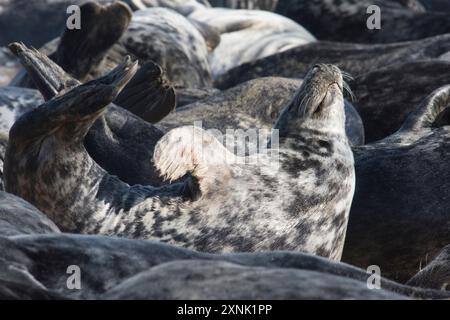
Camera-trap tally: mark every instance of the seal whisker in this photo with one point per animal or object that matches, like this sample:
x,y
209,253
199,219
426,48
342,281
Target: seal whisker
x,y
348,90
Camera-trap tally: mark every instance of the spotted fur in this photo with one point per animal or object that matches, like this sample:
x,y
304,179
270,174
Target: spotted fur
x,y
301,204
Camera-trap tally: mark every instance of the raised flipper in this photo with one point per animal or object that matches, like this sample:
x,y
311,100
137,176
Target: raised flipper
x,y
73,112
148,95
101,27
80,51
193,150
49,78
209,33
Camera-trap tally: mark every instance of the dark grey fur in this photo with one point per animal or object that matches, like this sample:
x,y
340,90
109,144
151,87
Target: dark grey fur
x,y
301,206
436,275
345,20
399,218
245,4
385,97
108,264
356,59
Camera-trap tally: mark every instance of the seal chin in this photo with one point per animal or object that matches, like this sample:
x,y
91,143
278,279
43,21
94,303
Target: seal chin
x,y
321,88
320,98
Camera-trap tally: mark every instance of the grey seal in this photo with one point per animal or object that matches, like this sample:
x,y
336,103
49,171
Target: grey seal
x,y
399,218
436,5
356,59
3,144
268,5
265,33
169,39
306,209
18,217
109,263
249,106
119,141
39,21
385,97
81,52
9,66
349,20
436,274
179,45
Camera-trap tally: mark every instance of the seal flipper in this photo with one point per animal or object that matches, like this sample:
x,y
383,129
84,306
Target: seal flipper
x,y
49,78
193,150
81,50
76,110
149,94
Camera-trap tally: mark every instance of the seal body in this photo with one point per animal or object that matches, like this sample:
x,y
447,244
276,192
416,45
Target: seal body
x,y
301,206
265,33
121,268
349,20
384,108
19,19
356,59
268,5
119,141
401,190
169,39
8,66
248,107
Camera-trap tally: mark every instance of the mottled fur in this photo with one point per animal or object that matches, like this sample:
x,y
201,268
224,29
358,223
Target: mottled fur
x,y
248,106
302,205
247,35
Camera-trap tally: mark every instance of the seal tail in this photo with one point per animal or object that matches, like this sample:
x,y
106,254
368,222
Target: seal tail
x,y
149,94
434,111
192,150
